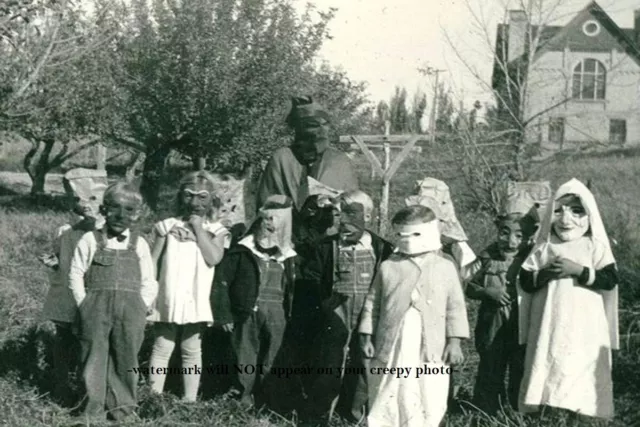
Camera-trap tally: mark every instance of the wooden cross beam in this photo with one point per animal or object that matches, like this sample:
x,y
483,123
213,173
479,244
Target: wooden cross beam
x,y
405,143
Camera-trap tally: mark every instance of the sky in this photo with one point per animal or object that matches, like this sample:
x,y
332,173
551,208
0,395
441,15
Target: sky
x,y
383,42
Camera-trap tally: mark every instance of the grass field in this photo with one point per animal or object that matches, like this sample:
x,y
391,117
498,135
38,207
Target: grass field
x,y
25,369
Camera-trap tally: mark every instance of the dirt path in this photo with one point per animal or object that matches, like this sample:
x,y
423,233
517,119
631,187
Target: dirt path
x,y
20,183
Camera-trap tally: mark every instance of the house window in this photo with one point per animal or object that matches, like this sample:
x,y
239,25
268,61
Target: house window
x,y
556,130
617,131
589,78
591,28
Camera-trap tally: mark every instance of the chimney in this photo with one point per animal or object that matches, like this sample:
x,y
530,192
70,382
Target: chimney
x,y
636,27
517,34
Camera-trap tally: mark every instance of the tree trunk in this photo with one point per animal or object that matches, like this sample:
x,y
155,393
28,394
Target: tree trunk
x,y
38,170
152,172
199,163
37,182
134,163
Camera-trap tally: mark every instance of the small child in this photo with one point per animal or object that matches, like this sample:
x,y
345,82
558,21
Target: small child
x,y
435,195
85,189
496,334
113,283
339,274
186,248
414,316
569,318
253,294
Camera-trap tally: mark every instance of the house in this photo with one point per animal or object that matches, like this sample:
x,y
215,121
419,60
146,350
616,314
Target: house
x,y
578,86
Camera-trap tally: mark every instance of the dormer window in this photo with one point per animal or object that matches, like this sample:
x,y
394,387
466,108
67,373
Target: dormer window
x,y
591,28
589,79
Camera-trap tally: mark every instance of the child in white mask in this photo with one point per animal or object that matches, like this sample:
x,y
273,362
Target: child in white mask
x,y
414,316
569,318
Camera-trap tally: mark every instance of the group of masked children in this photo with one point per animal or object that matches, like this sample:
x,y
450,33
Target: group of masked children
x,y
331,294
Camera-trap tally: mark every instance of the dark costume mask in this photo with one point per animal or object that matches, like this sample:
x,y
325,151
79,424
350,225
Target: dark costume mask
x,y
310,122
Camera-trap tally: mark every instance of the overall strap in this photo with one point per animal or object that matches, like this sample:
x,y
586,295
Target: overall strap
x,y
101,238
133,241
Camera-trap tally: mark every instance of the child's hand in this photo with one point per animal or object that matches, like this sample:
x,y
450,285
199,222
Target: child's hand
x,y
453,352
195,222
50,260
227,327
368,350
501,296
562,267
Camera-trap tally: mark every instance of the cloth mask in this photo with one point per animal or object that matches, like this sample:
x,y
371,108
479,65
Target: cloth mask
x,y
280,237
86,187
419,238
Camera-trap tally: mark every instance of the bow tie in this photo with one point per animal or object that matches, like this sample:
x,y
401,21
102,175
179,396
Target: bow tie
x,y
119,237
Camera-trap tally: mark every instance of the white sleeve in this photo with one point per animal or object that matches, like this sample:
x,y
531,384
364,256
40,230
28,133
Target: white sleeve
x,y
82,257
149,288
216,228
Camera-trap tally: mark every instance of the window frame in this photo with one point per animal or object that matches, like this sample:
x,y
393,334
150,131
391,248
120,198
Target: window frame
x,y
621,131
583,78
589,33
561,124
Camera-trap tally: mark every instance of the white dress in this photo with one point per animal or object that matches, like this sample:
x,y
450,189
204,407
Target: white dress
x,y
184,277
411,401
568,356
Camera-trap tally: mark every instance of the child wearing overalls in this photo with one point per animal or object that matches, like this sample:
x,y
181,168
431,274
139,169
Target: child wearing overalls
x,y
252,296
340,273
112,279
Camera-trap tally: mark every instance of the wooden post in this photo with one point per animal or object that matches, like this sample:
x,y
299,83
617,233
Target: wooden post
x,y
388,170
101,157
201,163
384,200
434,107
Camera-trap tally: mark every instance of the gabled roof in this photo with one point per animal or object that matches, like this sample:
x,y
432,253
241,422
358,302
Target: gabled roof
x,y
556,37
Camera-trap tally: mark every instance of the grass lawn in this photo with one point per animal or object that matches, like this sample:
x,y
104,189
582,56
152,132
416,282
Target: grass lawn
x,y
25,369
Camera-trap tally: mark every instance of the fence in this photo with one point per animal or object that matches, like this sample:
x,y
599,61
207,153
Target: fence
x,y
475,167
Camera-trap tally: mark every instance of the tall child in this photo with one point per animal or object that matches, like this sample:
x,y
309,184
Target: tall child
x,y
85,189
570,315
495,285
253,294
113,283
414,316
339,273
186,249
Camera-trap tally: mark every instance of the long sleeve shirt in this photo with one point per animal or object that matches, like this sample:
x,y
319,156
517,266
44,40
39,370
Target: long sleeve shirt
x,y
83,256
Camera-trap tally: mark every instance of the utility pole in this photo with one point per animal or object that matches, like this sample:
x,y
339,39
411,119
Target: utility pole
x,y
429,71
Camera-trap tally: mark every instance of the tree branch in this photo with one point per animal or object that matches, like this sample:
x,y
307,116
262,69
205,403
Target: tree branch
x,y
41,62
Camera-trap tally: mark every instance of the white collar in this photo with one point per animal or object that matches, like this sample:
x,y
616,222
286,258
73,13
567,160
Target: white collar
x,y
250,242
365,242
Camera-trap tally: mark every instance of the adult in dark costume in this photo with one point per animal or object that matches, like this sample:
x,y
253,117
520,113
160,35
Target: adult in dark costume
x,y
309,156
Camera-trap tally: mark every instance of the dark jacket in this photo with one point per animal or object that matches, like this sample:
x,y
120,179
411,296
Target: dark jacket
x,y
237,282
495,272
318,270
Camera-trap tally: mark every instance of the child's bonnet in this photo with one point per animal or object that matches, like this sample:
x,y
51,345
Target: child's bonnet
x,y
548,247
